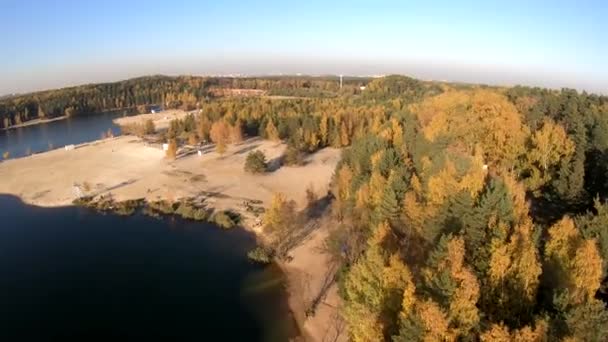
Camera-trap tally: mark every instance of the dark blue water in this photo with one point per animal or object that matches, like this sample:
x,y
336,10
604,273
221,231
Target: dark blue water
x,y
71,274
19,142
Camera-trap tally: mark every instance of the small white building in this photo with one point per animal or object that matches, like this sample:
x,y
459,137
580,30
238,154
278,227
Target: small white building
x,y
165,147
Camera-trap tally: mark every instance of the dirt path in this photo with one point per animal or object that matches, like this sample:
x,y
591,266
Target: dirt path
x,y
311,284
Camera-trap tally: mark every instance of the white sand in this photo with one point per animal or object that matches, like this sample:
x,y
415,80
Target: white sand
x,y
161,120
127,168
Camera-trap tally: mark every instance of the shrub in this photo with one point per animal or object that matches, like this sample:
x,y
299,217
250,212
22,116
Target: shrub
x,y
164,207
190,211
261,255
149,127
225,219
256,162
138,129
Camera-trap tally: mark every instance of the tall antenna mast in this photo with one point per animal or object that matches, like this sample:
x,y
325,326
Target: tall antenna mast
x,y
340,81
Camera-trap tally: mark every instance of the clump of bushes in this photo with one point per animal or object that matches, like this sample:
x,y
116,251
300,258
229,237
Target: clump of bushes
x,y
83,201
256,162
162,207
261,254
190,211
139,129
128,207
106,203
225,219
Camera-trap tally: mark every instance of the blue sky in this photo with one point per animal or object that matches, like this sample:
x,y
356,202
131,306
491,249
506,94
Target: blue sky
x,y
52,43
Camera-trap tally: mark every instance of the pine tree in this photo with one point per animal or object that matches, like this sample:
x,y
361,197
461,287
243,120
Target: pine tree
x,y
451,284
593,226
388,208
374,290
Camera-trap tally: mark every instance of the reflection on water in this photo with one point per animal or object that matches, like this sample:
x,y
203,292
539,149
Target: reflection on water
x,y
22,141
72,274
258,289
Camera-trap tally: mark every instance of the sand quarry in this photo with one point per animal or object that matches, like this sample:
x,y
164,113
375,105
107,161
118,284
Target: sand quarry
x,y
128,168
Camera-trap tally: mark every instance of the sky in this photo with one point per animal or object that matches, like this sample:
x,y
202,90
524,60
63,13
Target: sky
x,y
54,43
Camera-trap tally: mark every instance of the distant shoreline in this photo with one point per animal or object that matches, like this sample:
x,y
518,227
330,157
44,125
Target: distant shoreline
x,y
35,122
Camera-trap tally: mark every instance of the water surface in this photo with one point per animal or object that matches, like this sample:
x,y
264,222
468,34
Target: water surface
x,y
73,274
21,141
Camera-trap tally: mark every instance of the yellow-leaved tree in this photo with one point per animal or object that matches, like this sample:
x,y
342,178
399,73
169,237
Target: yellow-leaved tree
x,y
549,145
469,118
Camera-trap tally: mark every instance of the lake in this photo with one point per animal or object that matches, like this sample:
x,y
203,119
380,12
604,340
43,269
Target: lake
x,y
74,274
21,141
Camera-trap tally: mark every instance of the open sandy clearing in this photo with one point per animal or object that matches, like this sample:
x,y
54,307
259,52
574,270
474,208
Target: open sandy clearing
x,y
161,120
128,168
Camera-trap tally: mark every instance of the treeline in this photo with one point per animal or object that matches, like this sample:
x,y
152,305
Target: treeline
x,y
469,216
171,92
88,99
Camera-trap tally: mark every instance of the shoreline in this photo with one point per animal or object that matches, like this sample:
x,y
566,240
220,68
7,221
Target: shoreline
x,y
35,122
128,168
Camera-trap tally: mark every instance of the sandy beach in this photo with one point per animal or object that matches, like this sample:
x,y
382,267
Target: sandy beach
x,y
161,120
128,168
35,122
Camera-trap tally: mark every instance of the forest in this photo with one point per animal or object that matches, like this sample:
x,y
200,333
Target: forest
x,y
461,212
186,92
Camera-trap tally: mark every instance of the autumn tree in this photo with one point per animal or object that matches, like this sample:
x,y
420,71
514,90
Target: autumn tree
x,y
220,135
236,133
203,128
324,130
171,152
575,262
280,219
342,190
574,272
548,146
271,131
478,117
